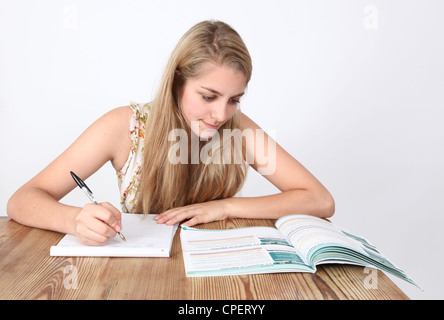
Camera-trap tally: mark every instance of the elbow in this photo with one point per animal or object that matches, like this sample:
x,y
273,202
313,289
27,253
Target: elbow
x,y
319,203
14,207
329,208
11,207
324,205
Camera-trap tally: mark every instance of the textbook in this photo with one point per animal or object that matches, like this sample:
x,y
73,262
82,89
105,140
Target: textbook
x,y
298,244
144,238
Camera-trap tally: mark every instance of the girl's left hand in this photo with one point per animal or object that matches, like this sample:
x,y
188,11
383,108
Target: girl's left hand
x,y
197,213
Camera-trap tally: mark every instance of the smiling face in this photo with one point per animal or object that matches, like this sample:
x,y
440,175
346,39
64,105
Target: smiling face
x,y
211,99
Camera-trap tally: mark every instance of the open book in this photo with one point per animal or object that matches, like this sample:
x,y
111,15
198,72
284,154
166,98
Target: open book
x,y
299,243
144,238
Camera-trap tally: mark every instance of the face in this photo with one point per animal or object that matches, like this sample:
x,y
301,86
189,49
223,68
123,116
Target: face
x,y
210,100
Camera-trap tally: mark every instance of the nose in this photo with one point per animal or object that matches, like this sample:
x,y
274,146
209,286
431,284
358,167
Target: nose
x,y
220,112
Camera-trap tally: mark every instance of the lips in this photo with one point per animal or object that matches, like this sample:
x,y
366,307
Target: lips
x,y
210,126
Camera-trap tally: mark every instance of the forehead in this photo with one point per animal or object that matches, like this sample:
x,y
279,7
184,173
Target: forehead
x,y
222,78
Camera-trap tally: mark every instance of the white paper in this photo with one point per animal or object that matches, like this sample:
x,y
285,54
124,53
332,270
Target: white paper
x,y
217,251
217,260
144,238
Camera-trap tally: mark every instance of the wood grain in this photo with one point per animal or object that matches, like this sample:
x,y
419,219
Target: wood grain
x,y
27,271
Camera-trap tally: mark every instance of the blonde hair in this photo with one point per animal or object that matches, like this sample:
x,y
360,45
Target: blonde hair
x,y
165,185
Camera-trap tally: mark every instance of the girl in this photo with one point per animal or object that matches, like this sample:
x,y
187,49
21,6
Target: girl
x,y
205,78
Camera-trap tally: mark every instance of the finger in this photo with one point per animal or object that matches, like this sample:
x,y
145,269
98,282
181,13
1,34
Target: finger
x,y
105,214
168,212
100,227
167,215
88,237
117,214
192,222
97,219
183,215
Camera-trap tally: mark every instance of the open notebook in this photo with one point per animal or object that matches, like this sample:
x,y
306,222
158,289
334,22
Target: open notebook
x,y
144,238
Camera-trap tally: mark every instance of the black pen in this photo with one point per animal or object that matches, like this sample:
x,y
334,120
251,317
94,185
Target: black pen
x,y
88,193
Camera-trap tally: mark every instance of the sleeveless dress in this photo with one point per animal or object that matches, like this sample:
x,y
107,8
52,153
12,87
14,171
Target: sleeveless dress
x,y
129,176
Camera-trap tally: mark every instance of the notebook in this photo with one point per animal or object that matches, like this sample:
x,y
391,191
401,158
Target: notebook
x,y
144,238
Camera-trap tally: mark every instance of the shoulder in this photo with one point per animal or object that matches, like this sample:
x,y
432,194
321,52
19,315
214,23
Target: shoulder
x,y
247,123
118,116
114,124
113,131
110,125
119,127
123,116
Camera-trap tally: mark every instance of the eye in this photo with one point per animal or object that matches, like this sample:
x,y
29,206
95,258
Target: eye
x,y
235,101
207,98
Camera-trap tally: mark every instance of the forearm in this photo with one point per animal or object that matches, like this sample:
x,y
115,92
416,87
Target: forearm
x,y
281,204
319,203
36,208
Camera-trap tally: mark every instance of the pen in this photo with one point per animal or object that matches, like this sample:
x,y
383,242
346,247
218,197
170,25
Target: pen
x,y
88,193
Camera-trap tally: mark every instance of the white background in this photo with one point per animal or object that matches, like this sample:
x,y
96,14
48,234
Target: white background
x,y
354,90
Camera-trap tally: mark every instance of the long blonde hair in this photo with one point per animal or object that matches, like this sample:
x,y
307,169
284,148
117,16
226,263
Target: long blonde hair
x,y
165,185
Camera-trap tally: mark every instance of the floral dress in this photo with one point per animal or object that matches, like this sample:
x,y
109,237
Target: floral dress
x,y
129,176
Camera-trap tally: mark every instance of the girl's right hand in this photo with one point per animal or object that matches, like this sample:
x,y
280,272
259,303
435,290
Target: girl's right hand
x,y
95,224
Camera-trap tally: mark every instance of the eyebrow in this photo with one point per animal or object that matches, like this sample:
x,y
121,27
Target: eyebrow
x,y
220,94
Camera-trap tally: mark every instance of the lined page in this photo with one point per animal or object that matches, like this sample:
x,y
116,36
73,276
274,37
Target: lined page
x,y
144,238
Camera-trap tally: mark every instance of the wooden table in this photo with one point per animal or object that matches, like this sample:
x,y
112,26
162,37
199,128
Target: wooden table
x,y
27,271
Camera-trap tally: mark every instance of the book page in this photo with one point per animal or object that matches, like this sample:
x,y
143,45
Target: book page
x,y
200,239
237,251
320,241
217,260
144,238
307,232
